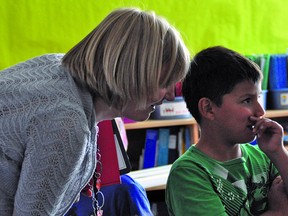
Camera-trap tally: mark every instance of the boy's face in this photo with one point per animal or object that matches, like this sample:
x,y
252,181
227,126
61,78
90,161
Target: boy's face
x,y
233,116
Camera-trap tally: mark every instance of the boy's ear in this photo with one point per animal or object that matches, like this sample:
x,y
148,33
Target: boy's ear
x,y
205,106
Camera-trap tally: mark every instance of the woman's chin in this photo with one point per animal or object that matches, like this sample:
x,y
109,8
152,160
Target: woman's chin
x,y
140,116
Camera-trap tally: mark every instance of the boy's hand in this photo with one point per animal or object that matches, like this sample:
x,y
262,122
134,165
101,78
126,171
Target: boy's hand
x,y
270,140
277,198
269,135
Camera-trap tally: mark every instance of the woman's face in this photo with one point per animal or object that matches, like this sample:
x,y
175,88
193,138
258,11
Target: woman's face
x,y
132,112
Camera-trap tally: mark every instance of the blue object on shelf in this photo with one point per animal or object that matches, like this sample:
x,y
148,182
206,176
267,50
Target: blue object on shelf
x,y
278,72
278,98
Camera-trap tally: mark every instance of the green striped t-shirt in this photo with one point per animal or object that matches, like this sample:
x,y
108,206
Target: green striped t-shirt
x,y
200,185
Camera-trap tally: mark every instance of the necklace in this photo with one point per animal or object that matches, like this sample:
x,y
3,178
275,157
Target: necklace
x,y
97,195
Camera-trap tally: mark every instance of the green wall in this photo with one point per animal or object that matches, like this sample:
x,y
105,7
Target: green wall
x,y
35,27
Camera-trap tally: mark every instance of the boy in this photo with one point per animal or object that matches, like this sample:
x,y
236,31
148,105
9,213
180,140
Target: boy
x,y
223,174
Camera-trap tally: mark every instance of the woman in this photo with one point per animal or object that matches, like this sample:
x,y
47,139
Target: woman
x,y
50,106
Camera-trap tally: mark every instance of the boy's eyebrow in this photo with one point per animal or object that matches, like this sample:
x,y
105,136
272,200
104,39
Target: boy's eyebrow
x,y
249,95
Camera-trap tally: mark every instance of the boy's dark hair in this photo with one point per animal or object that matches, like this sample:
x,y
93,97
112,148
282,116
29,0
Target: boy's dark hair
x,y
213,73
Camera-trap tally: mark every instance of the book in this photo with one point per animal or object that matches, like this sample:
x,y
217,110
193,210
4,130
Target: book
x,y
107,149
163,142
150,148
180,141
173,153
187,137
120,138
141,159
136,139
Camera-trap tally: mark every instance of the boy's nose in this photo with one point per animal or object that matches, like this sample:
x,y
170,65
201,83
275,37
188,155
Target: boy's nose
x,y
260,110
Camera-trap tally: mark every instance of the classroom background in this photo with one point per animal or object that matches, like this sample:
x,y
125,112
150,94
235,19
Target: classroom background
x,y
254,28
34,27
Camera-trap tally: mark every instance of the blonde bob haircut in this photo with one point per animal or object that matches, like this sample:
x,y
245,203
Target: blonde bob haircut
x,y
127,57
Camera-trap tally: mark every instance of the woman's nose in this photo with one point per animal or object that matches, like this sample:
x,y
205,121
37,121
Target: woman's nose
x,y
170,94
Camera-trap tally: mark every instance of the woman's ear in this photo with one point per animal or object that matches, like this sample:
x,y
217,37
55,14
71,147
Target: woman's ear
x,y
205,106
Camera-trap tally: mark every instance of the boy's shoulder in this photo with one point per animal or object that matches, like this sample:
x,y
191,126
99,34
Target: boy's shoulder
x,y
195,158
190,158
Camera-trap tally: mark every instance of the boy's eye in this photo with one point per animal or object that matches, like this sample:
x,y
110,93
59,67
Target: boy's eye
x,y
247,100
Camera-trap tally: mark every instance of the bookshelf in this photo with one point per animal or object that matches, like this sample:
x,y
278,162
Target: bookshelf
x,y
156,178
166,123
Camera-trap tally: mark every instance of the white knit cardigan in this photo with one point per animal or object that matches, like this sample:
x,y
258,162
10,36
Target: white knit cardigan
x,y
47,138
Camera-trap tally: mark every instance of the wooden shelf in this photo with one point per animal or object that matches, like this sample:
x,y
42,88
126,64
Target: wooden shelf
x,y
152,178
159,123
190,121
276,113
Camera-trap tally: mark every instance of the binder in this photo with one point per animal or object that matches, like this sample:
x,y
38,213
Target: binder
x,y
114,159
150,148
